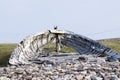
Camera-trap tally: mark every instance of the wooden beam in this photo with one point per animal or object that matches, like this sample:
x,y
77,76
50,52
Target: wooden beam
x,y
57,43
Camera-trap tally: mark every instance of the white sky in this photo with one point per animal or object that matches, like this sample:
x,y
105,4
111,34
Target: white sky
x,y
96,19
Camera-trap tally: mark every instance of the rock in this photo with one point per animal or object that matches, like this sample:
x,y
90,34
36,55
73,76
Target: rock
x,y
34,78
2,71
118,75
35,68
4,78
12,67
19,70
61,70
83,72
92,73
113,77
82,58
48,73
54,77
85,68
28,77
48,62
48,67
29,70
79,77
99,78
75,65
14,77
96,78
88,71
107,69
87,77
36,74
7,70
20,76
38,78
66,77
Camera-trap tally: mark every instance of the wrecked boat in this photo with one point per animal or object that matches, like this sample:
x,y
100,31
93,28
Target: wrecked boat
x,y
31,47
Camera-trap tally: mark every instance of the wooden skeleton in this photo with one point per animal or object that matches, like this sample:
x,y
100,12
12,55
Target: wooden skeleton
x,y
31,47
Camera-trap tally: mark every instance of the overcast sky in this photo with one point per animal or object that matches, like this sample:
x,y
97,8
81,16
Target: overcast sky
x,y
96,19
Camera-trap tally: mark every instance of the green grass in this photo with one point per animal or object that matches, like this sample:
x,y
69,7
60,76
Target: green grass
x,y
112,43
5,50
51,47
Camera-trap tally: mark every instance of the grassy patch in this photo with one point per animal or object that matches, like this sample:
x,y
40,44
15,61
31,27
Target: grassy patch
x,y
112,43
5,50
51,47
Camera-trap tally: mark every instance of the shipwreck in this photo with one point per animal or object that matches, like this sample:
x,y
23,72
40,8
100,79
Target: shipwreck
x,y
30,48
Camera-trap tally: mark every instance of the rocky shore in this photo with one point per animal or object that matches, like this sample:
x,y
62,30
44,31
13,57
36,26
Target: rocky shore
x,y
72,67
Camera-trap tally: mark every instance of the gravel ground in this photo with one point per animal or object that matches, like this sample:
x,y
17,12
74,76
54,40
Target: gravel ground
x,y
64,67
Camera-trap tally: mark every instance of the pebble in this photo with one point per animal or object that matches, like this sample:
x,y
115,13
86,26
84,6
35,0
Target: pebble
x,y
19,70
78,69
79,77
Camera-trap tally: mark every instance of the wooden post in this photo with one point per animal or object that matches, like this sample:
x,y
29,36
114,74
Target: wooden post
x,y
48,38
57,43
57,34
42,39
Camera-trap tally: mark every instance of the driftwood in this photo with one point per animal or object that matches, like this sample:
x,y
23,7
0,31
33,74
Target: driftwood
x,y
32,46
84,45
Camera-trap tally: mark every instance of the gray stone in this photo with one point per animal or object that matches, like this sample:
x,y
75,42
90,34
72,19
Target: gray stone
x,y
96,78
87,77
61,70
29,70
38,78
48,73
92,73
12,67
2,71
28,77
34,78
83,72
4,78
19,70
118,75
48,67
113,77
79,77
